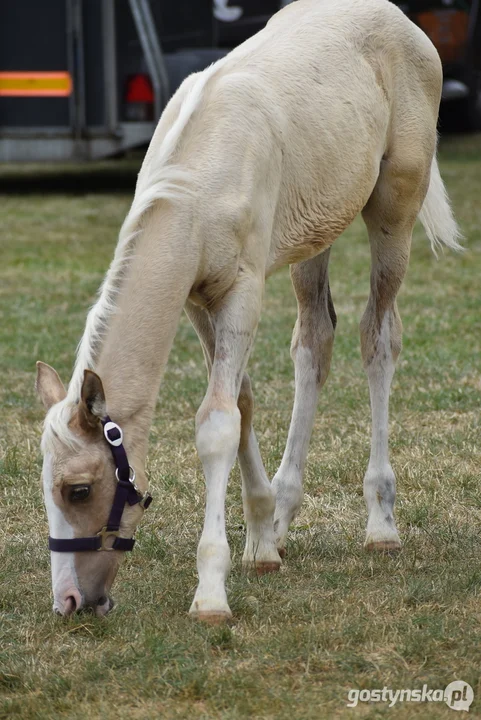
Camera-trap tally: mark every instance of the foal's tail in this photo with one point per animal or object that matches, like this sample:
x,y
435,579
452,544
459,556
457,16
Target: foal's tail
x,y
436,214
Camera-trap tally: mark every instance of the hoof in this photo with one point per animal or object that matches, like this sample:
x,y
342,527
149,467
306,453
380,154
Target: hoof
x,y
383,546
282,552
263,568
212,617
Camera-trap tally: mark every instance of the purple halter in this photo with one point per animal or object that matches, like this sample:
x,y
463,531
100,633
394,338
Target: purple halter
x,y
125,492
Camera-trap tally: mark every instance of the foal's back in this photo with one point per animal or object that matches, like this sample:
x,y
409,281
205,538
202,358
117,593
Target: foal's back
x,y
288,138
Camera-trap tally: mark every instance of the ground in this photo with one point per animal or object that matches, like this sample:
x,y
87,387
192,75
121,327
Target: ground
x,y
335,618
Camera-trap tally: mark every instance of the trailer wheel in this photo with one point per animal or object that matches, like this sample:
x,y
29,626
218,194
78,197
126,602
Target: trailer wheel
x,y
463,115
470,112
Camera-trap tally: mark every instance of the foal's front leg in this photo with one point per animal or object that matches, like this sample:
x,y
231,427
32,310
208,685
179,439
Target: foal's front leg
x,y
218,433
257,495
258,499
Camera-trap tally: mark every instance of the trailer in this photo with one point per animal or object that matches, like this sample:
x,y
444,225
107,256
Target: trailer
x,y
88,79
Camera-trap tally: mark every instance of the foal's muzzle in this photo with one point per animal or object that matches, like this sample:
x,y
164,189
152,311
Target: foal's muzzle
x,y
73,602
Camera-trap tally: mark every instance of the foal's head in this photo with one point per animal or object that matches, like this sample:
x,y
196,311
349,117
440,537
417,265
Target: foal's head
x,y
79,485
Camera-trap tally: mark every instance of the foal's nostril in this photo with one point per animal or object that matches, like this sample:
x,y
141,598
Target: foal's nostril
x,y
70,604
104,606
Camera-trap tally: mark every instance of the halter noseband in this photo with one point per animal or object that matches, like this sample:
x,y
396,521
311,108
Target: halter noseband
x,y
125,492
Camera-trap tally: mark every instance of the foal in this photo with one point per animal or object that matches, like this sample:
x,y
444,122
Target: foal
x,y
261,160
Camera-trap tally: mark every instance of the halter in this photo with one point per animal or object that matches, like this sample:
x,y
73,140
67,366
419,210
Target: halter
x,y
125,492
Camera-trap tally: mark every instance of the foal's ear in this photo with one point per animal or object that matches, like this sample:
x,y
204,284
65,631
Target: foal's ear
x,y
92,399
48,385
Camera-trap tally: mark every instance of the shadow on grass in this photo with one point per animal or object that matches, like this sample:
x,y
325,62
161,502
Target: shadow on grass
x,y
110,176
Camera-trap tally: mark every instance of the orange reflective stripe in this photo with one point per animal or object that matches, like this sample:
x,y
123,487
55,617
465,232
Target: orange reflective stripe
x,y
35,84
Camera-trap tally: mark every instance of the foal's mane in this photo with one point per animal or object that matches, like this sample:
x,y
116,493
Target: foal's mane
x,y
157,180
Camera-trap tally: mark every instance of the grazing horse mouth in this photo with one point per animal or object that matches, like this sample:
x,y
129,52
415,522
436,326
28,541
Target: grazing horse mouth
x,y
100,607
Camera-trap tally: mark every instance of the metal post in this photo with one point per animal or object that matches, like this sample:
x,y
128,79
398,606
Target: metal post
x,y
149,41
110,66
77,69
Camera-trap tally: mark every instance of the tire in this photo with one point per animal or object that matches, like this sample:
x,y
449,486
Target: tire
x,y
462,115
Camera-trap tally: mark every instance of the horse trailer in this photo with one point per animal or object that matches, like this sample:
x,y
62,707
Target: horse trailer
x,y
88,79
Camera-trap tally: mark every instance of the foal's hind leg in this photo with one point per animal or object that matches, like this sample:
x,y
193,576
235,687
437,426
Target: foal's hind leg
x,y
218,432
311,351
257,495
389,215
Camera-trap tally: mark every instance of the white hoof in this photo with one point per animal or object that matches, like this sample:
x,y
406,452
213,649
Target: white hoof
x,y
212,610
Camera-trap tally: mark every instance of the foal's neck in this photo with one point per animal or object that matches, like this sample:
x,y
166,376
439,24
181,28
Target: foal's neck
x,y
142,328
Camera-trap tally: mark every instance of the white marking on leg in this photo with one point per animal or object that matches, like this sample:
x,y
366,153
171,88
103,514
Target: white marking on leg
x,y
217,444
64,577
287,483
259,505
379,481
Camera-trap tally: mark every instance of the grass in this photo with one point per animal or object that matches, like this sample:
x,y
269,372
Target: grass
x,y
334,618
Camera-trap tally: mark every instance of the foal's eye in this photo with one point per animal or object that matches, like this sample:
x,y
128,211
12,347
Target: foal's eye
x,y
79,493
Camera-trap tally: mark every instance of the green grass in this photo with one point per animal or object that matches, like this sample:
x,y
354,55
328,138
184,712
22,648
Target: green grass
x,y
334,618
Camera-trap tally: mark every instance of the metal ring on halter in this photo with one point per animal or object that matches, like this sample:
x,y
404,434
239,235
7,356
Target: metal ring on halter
x,y
131,475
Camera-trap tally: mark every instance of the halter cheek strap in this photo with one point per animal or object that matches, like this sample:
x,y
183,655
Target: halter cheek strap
x,y
125,492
